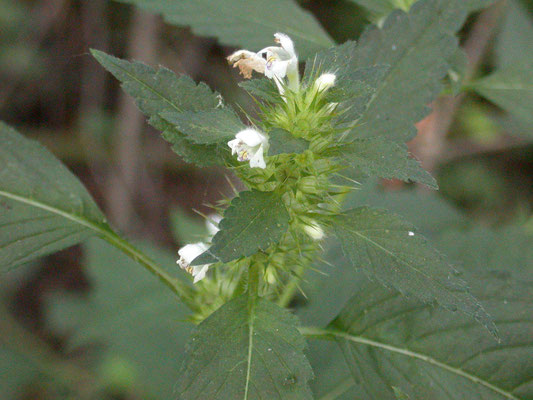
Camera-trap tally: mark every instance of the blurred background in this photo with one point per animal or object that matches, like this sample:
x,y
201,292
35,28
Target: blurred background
x,y
52,90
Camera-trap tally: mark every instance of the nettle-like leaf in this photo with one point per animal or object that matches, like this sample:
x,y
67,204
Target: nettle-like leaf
x,y
512,89
388,249
384,159
247,349
244,23
262,89
128,314
157,92
254,221
283,142
429,353
416,46
43,207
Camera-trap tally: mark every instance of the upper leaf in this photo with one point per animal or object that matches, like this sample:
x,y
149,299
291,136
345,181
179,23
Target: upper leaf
x,y
246,350
512,89
160,91
244,23
390,341
43,207
416,46
283,142
388,249
120,297
383,159
254,220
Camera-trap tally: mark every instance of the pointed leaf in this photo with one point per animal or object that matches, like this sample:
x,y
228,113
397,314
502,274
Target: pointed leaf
x,y
382,159
159,91
282,142
388,249
264,89
43,207
244,23
246,350
253,221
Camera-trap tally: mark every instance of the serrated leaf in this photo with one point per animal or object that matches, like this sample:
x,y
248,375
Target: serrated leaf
x,y
383,159
43,207
264,89
388,249
430,353
283,142
246,350
206,127
128,314
159,91
510,88
254,221
416,46
244,23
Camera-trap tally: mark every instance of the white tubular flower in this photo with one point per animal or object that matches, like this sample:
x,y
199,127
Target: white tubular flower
x,y
211,223
324,82
187,254
314,231
249,145
275,62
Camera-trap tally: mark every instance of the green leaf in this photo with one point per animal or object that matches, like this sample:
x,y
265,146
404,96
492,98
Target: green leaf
x,y
244,23
206,127
430,353
379,9
514,45
388,249
254,221
128,314
417,47
282,142
43,207
186,228
17,371
262,89
159,91
246,350
510,88
383,159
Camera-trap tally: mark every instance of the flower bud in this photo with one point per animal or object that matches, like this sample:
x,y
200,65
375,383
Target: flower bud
x,y
324,82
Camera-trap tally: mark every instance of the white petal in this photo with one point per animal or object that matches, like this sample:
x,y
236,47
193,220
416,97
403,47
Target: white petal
x,y
250,136
285,42
199,272
257,160
190,251
234,145
211,224
277,68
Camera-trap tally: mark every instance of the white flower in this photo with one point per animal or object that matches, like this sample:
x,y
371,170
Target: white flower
x,y
276,62
249,145
324,82
211,223
187,254
314,231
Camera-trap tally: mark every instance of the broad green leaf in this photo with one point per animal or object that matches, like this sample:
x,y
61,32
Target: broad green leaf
x,y
388,249
206,127
383,159
159,91
43,207
379,9
512,89
417,47
244,23
282,142
429,353
246,350
264,89
254,221
514,44
128,314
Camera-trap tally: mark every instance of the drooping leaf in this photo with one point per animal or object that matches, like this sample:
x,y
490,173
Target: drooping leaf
x,y
417,47
206,127
383,159
282,142
512,89
254,220
43,207
429,353
388,249
244,23
128,314
159,91
246,350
